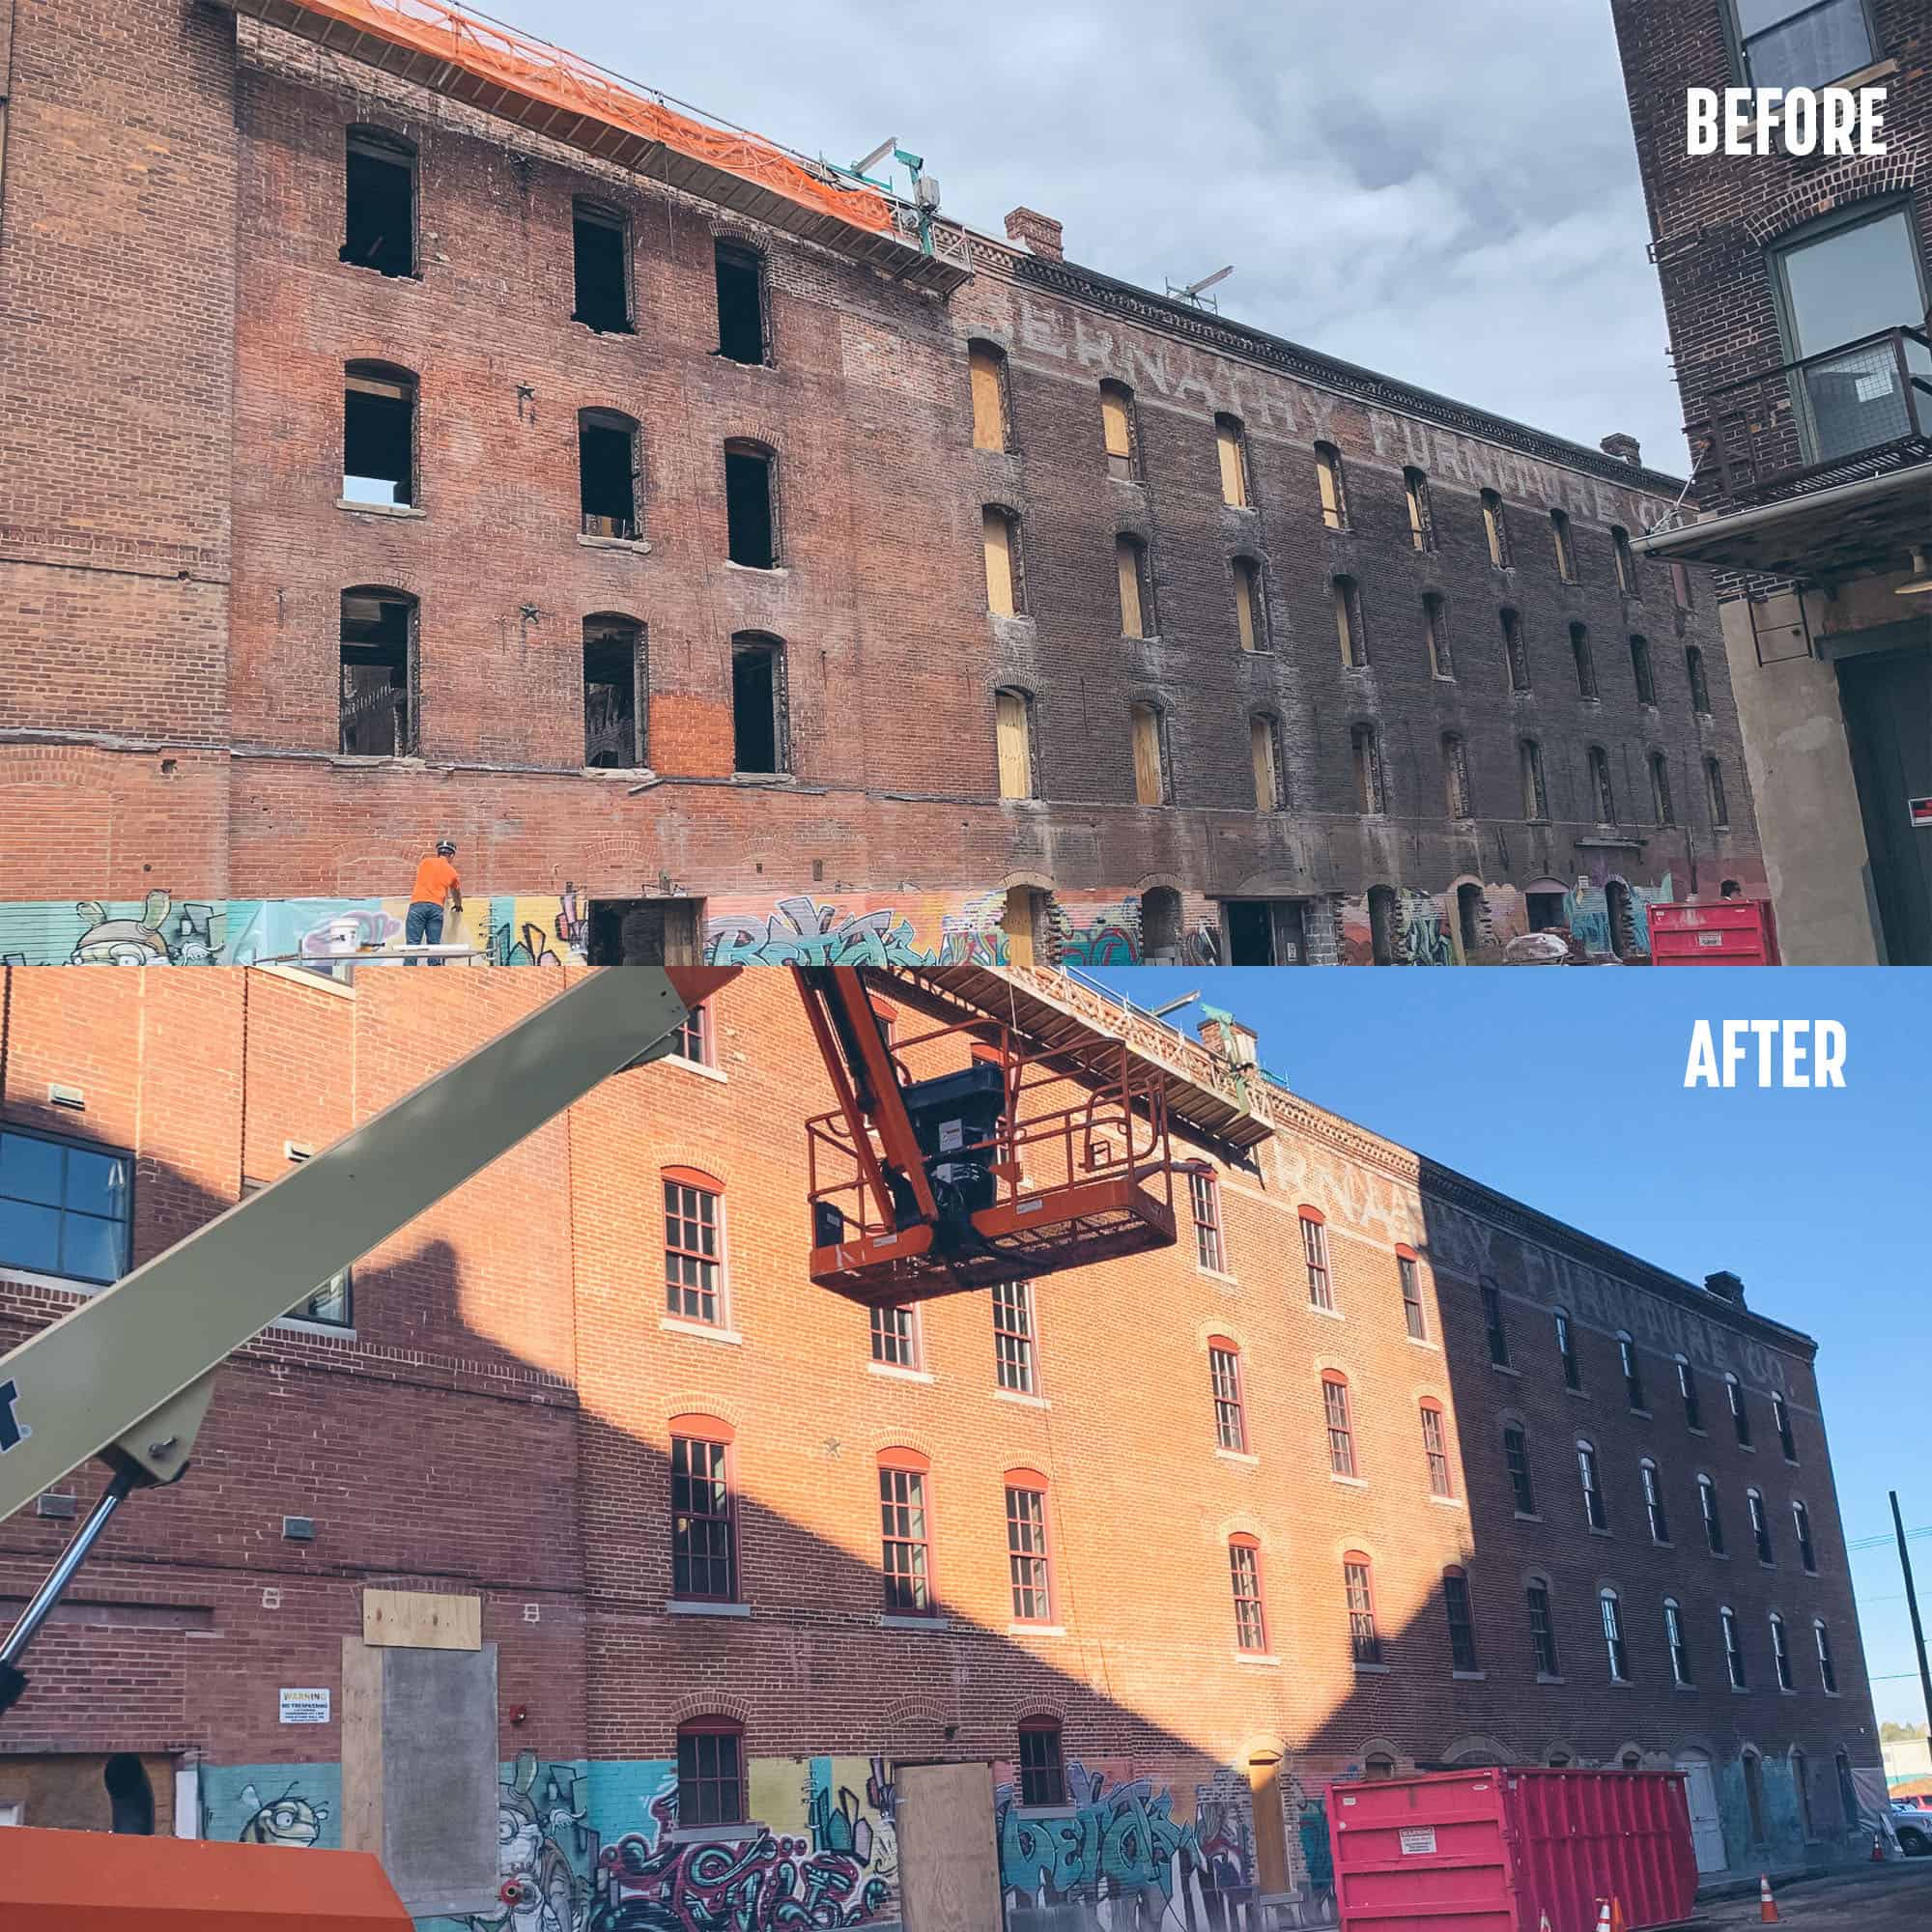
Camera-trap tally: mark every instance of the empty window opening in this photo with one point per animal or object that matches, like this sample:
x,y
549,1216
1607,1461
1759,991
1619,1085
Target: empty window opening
x,y
1603,794
1456,777
1495,527
1515,650
1700,689
1250,613
1470,919
1586,664
1042,1779
1382,925
607,453
1713,785
1659,790
1264,932
986,368
1329,481
1680,585
758,706
1625,558
741,303
131,1797
1559,536
600,243
1535,795
614,685
380,219
1646,684
1436,635
1421,518
1117,423
1130,566
1232,449
646,932
1149,736
1012,724
1160,926
1348,629
1370,795
379,435
1005,580
1463,1656
378,674
1266,754
750,514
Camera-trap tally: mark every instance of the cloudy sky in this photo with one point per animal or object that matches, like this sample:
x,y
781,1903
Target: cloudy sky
x,y
1447,193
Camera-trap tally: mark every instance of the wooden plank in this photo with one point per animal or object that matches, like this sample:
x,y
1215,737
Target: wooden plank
x,y
422,1620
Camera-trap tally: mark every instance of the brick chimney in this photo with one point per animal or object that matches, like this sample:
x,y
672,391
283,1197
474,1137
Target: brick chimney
x,y
1626,446
1727,1285
1039,234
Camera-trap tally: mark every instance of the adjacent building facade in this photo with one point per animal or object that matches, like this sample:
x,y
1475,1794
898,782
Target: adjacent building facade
x,y
735,560
1377,1469
1795,288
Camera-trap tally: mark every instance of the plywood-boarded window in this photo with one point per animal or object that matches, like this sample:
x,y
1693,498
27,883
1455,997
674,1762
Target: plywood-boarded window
x,y
1265,754
1149,764
1535,797
1328,479
1117,421
988,364
1559,537
1000,534
1130,561
1348,629
1270,1827
1421,519
1249,616
1495,527
1369,796
1436,635
1230,446
1455,776
1012,726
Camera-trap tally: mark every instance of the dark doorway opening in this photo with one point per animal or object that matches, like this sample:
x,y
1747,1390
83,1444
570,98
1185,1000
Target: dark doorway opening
x,y
1470,922
1264,932
131,1797
750,526
378,650
1382,925
758,708
614,684
1546,911
1618,916
1888,702
646,932
1160,926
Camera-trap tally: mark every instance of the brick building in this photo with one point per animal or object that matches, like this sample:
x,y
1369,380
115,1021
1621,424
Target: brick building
x,y
1795,288
1409,1475
727,558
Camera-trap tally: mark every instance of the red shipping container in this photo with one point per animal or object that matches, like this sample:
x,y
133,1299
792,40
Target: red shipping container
x,y
1491,1851
1725,932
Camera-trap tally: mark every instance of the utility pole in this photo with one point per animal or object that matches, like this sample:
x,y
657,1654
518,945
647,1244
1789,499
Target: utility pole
x,y
1911,1604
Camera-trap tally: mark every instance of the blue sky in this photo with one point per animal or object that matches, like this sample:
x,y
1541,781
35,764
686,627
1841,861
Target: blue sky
x,y
1566,1089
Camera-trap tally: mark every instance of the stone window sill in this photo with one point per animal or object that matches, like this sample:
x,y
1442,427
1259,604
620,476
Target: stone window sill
x,y
897,1373
696,1067
701,1330
1024,1401
1239,1455
402,512
637,546
888,1621
693,1607
1258,1659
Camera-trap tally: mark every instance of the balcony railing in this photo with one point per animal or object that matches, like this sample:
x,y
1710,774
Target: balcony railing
x,y
1851,413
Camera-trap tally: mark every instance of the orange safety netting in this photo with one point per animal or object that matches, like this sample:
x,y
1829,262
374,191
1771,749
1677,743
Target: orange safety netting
x,y
547,74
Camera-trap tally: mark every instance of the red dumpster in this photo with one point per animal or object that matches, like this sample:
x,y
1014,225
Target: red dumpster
x,y
1723,932
1491,1851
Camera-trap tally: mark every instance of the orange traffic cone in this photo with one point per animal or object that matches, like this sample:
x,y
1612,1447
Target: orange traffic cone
x,y
1543,1922
1766,1906
1618,1923
1602,1914
1878,1848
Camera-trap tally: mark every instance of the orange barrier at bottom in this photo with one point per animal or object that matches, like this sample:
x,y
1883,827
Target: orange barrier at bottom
x,y
97,1882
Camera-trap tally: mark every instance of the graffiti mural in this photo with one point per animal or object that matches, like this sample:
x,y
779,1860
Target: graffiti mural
x,y
290,1804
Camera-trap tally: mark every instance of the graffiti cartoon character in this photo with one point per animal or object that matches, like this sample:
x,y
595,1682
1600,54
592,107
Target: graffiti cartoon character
x,y
122,942
287,1820
537,1887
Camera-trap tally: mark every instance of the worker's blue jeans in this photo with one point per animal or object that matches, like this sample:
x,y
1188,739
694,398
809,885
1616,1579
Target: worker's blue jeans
x,y
424,927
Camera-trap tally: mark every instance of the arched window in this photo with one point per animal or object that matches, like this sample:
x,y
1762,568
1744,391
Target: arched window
x,y
1029,1555
1627,1358
610,471
1005,572
1515,1465
1231,448
1514,651
703,1511
1640,672
1330,486
1270,771
1734,1653
379,435
1595,1512
906,1532
1713,788
1409,1279
1780,1416
1462,1620
1455,776
1714,1523
1559,537
1675,1642
1585,662
1602,795
131,1797
1495,527
1349,630
1653,1501
600,245
1420,517
1120,431
1617,1652
380,202
1436,635
376,665
1012,726
743,331
1760,1525
1365,1641
1250,607
1625,560
760,707
752,504
1535,795
1042,1777
1801,1781
1370,795
710,1771
1700,688
1148,725
1566,1350
693,1245
1660,810
1828,1671
1542,1627
1224,1377
1136,583
1801,1524
1734,1395
1378,1766
1753,1769
1204,1198
1686,1388
987,368
1314,1256
1494,1331
1435,1449
1244,1572
1382,914
1780,1654
1339,1418
616,690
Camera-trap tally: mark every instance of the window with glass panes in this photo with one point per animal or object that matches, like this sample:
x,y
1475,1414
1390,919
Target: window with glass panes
x,y
333,1302
1435,1451
1673,1637
1780,1654
1632,1372
1496,1335
906,1550
693,1039
1792,44
704,1546
1760,1525
1411,1297
1565,1350
1714,1523
1012,1336
1541,1630
1462,1621
1687,1387
1613,1634
710,1774
1364,1640
1026,1554
691,1250
1593,1494
1341,1429
1224,1374
64,1208
1801,1523
1315,1253
1244,1572
1734,1656
1042,1779
1734,1394
895,1337
1652,1503
1780,1415
1205,1198
1516,1459
1828,1671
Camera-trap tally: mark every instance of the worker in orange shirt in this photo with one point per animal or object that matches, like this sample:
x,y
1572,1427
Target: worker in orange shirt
x,y
436,882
